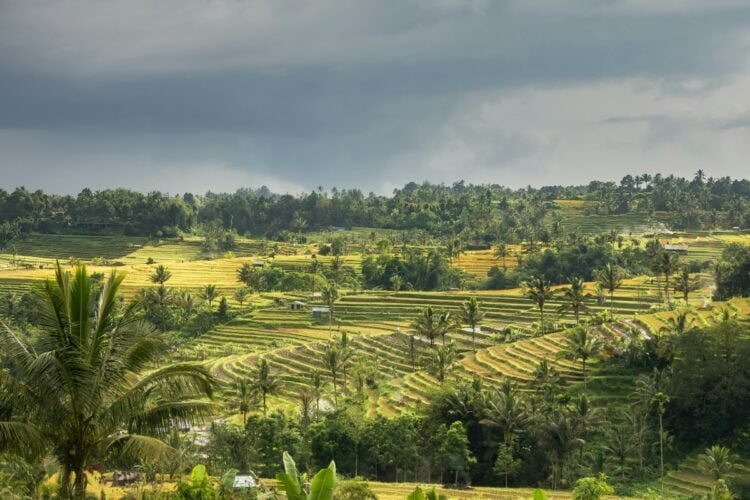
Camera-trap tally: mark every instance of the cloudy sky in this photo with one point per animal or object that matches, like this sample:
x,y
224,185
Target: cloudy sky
x,y
192,95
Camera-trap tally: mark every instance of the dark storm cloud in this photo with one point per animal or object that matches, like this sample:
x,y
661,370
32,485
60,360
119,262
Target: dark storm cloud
x,y
371,94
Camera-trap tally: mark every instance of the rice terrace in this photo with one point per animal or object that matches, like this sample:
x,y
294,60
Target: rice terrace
x,y
508,354
411,250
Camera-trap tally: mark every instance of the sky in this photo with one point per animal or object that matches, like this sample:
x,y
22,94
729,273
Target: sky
x,y
198,95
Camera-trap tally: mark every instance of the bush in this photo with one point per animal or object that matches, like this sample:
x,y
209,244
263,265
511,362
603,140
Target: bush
x,y
354,489
592,488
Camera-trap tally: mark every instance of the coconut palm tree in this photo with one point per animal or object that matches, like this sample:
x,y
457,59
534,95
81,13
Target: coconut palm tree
x,y
716,462
330,295
620,445
244,398
685,284
502,252
442,361
582,344
209,294
610,277
506,409
539,292
666,263
160,275
427,325
651,395
263,383
316,386
245,273
560,436
472,314
575,298
332,357
82,387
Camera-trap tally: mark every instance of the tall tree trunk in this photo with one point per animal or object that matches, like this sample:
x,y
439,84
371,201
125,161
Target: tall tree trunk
x,y
541,316
661,449
79,483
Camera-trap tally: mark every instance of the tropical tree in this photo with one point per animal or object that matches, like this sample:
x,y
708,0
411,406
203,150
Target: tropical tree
x,y
209,294
84,380
263,382
610,277
330,295
442,361
502,252
244,398
685,284
560,436
619,445
241,294
716,461
160,275
245,273
396,282
332,356
507,410
582,344
666,263
427,325
539,292
472,314
574,298
651,395
316,385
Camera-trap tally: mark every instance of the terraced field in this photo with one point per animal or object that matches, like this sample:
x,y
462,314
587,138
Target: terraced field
x,y
689,479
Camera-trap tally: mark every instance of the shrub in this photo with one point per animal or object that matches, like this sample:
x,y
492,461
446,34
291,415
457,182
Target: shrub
x,y
592,488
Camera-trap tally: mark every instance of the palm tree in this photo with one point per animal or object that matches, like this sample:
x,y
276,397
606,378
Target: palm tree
x,y
610,278
680,323
209,294
582,344
240,294
686,284
619,445
346,353
666,263
306,399
83,382
263,382
560,436
244,398
330,295
316,385
716,462
442,361
314,267
160,275
502,252
333,363
472,314
651,394
427,325
575,298
539,292
506,409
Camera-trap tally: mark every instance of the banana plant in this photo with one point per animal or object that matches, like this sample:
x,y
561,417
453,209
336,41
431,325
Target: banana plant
x,y
293,484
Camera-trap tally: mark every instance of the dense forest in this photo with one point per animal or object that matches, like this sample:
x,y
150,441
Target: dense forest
x,y
487,213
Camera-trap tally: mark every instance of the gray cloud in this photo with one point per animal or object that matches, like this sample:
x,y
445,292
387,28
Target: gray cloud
x,y
368,94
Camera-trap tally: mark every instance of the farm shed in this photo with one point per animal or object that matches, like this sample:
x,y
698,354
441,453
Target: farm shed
x,y
682,249
259,263
318,312
297,305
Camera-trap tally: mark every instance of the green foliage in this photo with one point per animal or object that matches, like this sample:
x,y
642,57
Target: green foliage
x,y
419,494
198,487
538,494
592,488
732,272
354,489
292,483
